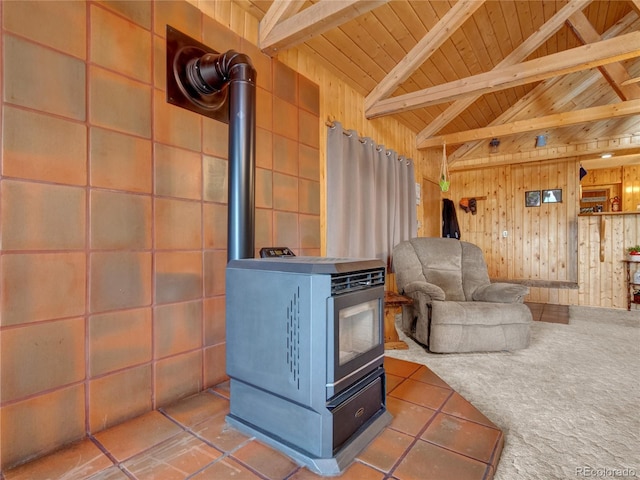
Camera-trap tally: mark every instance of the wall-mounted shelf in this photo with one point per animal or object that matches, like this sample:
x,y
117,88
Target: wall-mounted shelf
x,y
607,213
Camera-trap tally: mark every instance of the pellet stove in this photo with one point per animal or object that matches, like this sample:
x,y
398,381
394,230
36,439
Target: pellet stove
x,y
305,355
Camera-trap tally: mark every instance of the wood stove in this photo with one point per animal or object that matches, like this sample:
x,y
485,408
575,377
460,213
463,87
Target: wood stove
x,y
305,355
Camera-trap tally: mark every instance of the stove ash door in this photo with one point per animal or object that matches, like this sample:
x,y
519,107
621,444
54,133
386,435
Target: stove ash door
x,y
356,406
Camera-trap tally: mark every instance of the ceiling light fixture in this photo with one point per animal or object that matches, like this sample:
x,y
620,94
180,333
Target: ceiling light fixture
x,y
606,155
541,141
493,145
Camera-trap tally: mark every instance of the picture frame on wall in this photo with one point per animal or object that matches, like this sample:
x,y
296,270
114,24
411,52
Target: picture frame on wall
x,y
552,196
532,198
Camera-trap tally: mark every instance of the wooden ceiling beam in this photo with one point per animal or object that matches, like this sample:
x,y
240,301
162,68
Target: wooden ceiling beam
x,y
591,150
561,63
519,54
557,120
448,24
310,22
278,12
530,101
615,73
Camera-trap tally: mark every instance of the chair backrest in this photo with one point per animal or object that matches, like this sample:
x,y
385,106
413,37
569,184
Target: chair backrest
x,y
455,266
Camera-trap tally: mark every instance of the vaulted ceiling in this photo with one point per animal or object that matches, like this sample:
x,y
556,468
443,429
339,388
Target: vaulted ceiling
x,y
464,72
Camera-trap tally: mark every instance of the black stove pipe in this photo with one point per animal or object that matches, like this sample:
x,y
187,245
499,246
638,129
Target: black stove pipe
x,y
209,74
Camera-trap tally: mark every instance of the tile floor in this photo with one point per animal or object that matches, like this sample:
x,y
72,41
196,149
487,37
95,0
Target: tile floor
x,y
435,434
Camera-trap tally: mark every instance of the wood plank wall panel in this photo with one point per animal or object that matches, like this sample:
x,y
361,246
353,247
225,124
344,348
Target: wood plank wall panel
x,y
603,283
535,248
602,176
541,242
631,188
485,228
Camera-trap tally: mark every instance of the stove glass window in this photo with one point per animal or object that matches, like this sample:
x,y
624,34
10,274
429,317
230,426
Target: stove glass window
x,y
359,329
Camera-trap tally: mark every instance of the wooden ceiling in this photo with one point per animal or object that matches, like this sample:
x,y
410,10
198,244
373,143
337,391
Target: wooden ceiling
x,y
464,72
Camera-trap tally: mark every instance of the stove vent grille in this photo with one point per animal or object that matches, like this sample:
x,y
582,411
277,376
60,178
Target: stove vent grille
x,y
293,339
353,281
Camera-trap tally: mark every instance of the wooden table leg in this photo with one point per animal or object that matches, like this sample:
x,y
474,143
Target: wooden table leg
x,y
391,339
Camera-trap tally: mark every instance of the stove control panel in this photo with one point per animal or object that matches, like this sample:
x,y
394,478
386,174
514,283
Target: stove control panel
x,y
270,252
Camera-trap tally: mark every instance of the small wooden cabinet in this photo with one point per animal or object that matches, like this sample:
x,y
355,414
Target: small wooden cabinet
x,y
632,299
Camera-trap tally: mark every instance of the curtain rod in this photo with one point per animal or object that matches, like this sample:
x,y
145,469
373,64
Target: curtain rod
x,y
346,132
363,140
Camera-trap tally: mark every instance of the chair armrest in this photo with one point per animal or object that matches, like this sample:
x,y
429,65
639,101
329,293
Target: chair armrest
x,y
431,291
501,293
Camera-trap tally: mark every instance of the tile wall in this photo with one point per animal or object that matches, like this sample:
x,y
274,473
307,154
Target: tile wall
x,y
113,214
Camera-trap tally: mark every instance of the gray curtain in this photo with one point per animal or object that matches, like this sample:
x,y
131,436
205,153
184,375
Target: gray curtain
x,y
371,195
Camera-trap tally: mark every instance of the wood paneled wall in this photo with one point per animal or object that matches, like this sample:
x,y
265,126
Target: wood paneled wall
x,y
602,176
540,242
631,188
602,283
550,244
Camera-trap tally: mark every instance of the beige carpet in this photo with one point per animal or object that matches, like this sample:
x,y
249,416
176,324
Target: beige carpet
x,y
569,405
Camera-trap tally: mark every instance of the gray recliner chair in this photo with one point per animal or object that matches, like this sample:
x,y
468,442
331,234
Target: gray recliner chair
x,y
455,306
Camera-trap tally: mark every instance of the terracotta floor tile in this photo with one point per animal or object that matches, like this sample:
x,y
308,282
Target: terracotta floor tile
x,y
265,460
423,374
401,368
383,453
462,436
197,408
355,471
408,417
112,473
79,460
393,381
174,459
426,461
458,442
130,438
222,389
458,406
490,473
421,393
226,468
497,452
220,434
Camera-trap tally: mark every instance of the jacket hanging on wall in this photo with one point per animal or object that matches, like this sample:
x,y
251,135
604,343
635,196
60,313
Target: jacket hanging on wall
x,y
450,227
